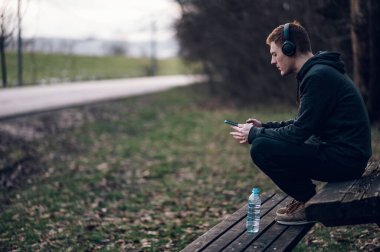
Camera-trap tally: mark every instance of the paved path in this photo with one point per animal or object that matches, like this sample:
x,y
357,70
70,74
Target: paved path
x,y
25,100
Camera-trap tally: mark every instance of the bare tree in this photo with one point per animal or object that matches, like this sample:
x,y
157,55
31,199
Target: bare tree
x,y
5,37
117,49
374,100
19,45
2,51
365,34
360,49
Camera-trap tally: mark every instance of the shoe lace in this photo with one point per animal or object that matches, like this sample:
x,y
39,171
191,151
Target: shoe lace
x,y
293,206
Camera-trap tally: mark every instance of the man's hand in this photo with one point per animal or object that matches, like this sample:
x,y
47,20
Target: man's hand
x,y
254,122
241,132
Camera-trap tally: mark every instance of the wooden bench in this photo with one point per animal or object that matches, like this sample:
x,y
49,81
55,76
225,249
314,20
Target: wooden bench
x,y
349,202
231,235
343,203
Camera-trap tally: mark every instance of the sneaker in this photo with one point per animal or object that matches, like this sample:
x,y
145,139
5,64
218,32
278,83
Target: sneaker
x,y
294,214
283,210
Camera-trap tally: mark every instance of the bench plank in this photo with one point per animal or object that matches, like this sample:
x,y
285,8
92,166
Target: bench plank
x,y
350,202
266,222
362,185
239,230
289,238
273,236
219,229
232,236
374,188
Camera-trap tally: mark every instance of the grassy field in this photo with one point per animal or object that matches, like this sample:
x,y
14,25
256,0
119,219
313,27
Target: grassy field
x,y
148,173
49,68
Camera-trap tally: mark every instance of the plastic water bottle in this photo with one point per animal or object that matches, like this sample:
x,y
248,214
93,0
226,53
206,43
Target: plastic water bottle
x,y
253,211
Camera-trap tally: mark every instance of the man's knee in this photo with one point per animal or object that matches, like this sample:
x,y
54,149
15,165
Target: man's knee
x,y
260,149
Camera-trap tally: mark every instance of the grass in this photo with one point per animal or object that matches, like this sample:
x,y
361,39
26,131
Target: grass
x,y
149,173
41,68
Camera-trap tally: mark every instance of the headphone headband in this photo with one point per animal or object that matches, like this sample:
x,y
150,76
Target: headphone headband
x,y
286,32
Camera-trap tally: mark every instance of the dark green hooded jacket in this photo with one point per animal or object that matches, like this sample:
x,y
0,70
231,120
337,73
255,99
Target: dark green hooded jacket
x,y
331,114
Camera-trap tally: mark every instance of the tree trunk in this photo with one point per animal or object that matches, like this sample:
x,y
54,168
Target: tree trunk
x,y
3,38
19,46
365,35
210,75
3,62
360,45
374,84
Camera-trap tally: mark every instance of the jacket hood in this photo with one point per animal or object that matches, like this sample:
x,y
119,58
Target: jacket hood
x,y
326,58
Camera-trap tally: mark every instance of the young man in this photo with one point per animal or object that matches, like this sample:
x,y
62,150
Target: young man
x,y
330,138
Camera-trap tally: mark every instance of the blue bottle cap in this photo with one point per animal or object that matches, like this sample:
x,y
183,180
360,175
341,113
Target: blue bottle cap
x,y
256,190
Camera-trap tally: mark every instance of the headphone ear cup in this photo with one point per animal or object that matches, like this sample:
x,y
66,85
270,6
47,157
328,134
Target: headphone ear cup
x,y
288,48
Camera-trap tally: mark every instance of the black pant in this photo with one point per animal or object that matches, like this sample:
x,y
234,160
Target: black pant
x,y
292,167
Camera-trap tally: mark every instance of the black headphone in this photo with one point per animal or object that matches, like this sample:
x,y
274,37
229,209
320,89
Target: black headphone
x,y
288,48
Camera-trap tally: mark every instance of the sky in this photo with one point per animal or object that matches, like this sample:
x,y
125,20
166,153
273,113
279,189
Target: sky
x,y
129,20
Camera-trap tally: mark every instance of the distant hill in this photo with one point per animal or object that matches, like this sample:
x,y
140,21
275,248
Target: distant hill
x,y
164,49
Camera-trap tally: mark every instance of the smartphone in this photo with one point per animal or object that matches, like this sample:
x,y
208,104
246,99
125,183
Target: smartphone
x,y
231,122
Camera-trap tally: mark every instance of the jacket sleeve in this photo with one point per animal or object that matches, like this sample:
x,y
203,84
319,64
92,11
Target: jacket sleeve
x,y
270,125
315,104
